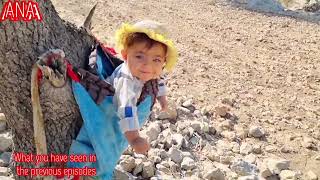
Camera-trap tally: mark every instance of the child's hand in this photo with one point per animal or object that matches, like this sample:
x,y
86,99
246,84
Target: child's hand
x,y
140,145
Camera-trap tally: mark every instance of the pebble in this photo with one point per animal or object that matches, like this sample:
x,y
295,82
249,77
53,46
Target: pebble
x,y
196,125
244,168
175,155
257,149
221,111
152,132
5,159
138,167
251,158
256,131
242,133
148,169
187,103
177,140
2,117
214,174
277,165
288,175
231,136
252,177
4,171
245,148
128,163
5,141
225,125
188,163
3,126
183,110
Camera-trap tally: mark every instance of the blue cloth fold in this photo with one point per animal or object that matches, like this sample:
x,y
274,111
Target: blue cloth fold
x,y
101,133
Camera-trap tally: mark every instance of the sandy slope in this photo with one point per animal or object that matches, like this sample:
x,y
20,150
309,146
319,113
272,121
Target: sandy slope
x,y
268,64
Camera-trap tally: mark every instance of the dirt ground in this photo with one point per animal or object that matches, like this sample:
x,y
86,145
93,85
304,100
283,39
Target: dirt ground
x,y
267,63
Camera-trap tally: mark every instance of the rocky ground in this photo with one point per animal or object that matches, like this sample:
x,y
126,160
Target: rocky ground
x,y
245,94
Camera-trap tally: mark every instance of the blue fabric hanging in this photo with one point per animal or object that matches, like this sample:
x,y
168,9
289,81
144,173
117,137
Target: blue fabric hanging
x,y
100,133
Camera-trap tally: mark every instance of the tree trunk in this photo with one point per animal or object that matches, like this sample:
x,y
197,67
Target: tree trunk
x,y
20,45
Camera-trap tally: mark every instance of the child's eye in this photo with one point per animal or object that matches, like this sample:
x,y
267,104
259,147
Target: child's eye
x,y
139,56
157,60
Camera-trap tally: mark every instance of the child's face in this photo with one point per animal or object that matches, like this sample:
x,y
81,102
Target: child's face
x,y
145,64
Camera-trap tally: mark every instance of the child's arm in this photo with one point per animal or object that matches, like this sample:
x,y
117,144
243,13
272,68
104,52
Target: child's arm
x,y
126,94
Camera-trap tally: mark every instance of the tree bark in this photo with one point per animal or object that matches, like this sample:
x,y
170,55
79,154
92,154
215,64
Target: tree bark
x,y
20,45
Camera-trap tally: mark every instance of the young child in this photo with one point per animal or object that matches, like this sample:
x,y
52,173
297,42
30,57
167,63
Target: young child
x,y
146,51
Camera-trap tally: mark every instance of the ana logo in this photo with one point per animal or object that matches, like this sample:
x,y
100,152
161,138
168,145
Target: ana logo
x,y
20,11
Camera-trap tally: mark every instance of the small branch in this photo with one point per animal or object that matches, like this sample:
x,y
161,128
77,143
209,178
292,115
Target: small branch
x,y
87,22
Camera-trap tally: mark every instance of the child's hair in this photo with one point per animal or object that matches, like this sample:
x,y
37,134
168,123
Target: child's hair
x,y
142,37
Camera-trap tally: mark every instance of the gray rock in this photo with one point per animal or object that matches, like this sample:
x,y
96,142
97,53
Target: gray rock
x,y
5,141
5,159
173,166
252,177
214,174
128,164
138,166
197,113
226,125
250,158
288,175
175,155
2,117
257,149
119,173
188,163
212,130
285,149
256,131
244,168
264,171
148,170
162,168
6,178
311,175
155,159
277,165
165,164
235,147
196,125
226,159
187,103
152,132
4,171
177,140
183,110
245,148
163,154
3,126
242,133
270,148
231,136
194,140
187,154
